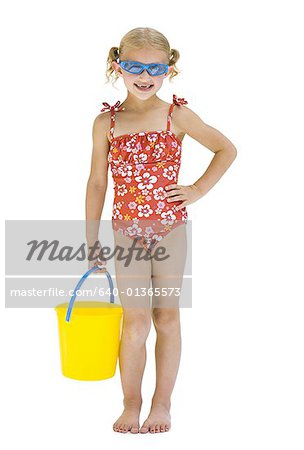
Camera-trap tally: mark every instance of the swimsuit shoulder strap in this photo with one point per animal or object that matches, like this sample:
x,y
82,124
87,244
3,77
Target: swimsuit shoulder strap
x,y
112,109
175,101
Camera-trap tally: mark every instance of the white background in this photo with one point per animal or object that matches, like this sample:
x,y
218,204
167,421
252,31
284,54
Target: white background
x,y
240,383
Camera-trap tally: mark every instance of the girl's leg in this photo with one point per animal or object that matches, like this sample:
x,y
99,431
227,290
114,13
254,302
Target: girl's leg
x,y
132,281
166,275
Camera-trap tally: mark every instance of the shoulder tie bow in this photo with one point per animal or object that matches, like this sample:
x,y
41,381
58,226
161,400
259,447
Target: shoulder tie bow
x,y
179,101
116,107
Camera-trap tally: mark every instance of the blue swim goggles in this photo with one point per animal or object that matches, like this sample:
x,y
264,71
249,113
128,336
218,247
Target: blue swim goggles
x,y
137,68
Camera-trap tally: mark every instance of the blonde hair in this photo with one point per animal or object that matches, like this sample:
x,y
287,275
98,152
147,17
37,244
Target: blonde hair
x,y
139,38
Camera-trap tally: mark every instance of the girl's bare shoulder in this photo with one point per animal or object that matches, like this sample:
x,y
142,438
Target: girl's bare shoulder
x,y
183,116
102,123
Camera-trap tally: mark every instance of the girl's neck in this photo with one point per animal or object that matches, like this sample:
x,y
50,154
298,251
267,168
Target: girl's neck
x,y
134,104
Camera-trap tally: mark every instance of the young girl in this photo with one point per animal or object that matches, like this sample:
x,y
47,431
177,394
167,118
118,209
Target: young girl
x,y
148,210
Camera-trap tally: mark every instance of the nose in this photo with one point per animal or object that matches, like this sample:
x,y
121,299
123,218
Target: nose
x,y
144,76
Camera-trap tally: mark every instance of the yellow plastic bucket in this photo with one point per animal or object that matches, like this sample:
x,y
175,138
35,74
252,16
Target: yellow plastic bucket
x,y
90,339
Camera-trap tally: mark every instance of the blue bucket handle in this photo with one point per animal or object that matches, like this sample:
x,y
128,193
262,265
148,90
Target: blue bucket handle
x,y
69,311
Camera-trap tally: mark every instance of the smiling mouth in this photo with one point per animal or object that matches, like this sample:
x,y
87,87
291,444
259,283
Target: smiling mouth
x,y
143,87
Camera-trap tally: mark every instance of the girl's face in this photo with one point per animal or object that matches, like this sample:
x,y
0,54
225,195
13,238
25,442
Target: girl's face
x,y
145,56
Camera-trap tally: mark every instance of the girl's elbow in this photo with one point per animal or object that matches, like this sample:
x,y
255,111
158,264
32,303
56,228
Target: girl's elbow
x,y
98,184
232,152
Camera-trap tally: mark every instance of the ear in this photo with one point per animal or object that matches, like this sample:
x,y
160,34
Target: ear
x,y
117,68
169,71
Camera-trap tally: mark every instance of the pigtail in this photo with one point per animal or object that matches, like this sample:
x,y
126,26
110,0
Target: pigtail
x,y
110,72
174,57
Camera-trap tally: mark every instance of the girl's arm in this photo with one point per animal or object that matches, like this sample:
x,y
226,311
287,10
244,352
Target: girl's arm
x,y
98,179
225,153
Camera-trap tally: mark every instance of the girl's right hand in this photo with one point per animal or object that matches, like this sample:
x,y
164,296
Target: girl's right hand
x,y
97,262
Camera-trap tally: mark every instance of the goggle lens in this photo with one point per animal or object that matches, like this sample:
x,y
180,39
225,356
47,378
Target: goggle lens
x,y
137,68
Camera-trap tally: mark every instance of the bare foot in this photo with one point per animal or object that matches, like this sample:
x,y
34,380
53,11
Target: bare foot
x,y
158,421
128,421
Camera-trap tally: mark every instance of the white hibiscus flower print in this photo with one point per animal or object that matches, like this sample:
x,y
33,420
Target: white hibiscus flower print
x,y
134,230
157,152
168,217
146,181
152,137
121,189
169,173
160,207
144,210
145,192
116,213
159,193
132,206
141,158
125,169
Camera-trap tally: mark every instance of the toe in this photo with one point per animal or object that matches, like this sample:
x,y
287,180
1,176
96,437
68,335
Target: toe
x,y
152,428
162,428
157,428
116,426
144,428
134,429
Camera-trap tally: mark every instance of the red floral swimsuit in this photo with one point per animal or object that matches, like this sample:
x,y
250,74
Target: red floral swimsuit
x,y
142,164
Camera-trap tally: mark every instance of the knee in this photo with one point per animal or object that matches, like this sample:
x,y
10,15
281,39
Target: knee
x,y
136,326
166,320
